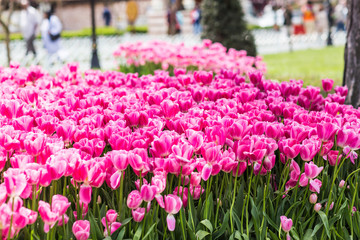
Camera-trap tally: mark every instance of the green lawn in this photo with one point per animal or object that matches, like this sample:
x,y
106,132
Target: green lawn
x,y
309,65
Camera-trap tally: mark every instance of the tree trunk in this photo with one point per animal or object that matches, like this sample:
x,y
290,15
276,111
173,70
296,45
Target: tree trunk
x,y
352,54
7,41
6,27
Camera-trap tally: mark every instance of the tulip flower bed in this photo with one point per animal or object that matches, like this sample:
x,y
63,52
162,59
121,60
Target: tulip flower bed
x,y
192,156
146,57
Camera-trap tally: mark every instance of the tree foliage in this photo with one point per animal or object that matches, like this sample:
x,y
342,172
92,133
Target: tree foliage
x,y
223,21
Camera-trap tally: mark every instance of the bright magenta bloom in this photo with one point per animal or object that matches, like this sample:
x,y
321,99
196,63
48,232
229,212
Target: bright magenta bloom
x,y
327,84
81,229
173,205
286,223
138,214
134,199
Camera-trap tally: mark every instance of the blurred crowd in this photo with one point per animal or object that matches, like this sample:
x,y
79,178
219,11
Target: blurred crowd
x,y
315,17
33,21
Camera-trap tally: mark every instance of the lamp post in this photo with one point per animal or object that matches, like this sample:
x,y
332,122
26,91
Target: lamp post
x,y
94,59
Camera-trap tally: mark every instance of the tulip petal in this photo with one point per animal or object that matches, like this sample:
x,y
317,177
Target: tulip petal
x,y
206,172
171,222
85,193
115,180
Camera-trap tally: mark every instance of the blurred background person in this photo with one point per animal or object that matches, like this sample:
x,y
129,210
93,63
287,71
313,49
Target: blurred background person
x,y
106,15
179,21
321,18
29,22
51,28
288,19
309,18
196,19
340,14
288,23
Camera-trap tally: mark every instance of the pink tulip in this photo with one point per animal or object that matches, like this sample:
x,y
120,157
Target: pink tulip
x,y
313,198
343,91
203,77
11,109
290,148
286,223
138,214
29,214
327,84
66,130
85,193
228,162
183,153
332,108
195,178
59,204
311,170
24,123
49,217
81,229
239,129
15,184
255,77
35,143
169,108
173,205
216,134
148,192
161,147
113,227
326,131
348,138
196,139
134,199
110,217
333,157
317,207
47,123
160,182
341,184
56,167
308,150
196,191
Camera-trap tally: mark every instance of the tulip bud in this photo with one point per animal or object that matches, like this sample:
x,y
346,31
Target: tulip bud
x,y
317,207
341,184
218,200
286,223
354,209
313,198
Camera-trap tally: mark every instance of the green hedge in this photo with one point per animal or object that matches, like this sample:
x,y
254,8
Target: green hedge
x,y
86,32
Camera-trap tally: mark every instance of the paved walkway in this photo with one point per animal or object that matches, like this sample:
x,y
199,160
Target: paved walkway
x,y
78,49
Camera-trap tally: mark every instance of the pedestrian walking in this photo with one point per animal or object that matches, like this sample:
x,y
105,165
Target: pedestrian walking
x,y
340,13
29,22
288,23
322,20
196,19
309,19
51,28
107,16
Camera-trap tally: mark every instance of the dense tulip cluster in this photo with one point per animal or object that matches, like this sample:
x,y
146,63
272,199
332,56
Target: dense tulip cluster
x,y
191,156
149,56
